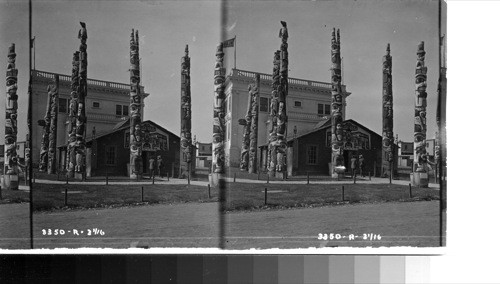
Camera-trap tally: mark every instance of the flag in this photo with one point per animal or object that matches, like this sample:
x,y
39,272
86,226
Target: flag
x,y
32,42
229,43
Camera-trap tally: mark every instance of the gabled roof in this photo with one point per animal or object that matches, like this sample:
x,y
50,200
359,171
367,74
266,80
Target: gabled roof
x,y
326,124
121,126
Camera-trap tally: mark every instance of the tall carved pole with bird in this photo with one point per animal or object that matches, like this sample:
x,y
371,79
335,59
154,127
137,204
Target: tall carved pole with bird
x,y
282,118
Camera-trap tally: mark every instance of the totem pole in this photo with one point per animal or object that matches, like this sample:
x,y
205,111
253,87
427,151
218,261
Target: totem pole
x,y
441,120
336,108
135,109
419,176
81,118
387,115
245,145
54,98
218,154
254,126
273,117
282,119
11,169
71,124
186,143
44,148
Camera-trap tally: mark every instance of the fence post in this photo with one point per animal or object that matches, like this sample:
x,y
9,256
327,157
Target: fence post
x,y
34,176
374,170
307,177
234,178
67,179
369,176
258,175
343,199
107,178
208,191
265,196
153,178
57,175
66,196
168,177
189,177
267,177
142,193
411,195
354,178
390,173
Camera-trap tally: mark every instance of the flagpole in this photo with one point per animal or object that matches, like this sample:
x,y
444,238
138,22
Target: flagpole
x,y
29,168
235,52
34,53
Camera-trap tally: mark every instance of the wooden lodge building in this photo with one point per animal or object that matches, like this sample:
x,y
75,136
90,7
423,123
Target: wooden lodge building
x,y
110,153
310,152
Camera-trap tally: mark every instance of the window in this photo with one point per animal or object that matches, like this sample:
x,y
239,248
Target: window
x,y
320,109
323,109
297,104
121,110
312,154
96,105
63,105
110,155
264,104
327,109
126,140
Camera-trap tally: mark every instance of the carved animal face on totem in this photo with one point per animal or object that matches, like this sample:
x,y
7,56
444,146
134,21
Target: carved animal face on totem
x,y
80,108
280,108
137,132
9,140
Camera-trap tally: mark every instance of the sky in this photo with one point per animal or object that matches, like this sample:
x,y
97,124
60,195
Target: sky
x,y
165,27
366,27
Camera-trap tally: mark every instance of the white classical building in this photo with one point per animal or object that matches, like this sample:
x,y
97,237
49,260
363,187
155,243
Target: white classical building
x,y
107,103
307,103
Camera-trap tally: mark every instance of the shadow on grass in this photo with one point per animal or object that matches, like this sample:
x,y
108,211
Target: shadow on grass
x,y
47,197
247,197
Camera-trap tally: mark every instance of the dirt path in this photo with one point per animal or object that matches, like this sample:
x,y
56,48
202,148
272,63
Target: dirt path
x,y
399,224
196,225
180,225
14,226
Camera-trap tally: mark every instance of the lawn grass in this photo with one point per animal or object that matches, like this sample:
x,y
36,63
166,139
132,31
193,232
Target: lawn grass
x,y
244,196
239,197
52,196
62,177
14,196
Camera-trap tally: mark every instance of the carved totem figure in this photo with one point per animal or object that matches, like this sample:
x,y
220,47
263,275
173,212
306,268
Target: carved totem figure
x,y
44,147
245,145
282,118
135,109
273,117
441,117
54,98
254,126
218,155
10,154
387,115
336,106
73,109
186,142
81,118
420,155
